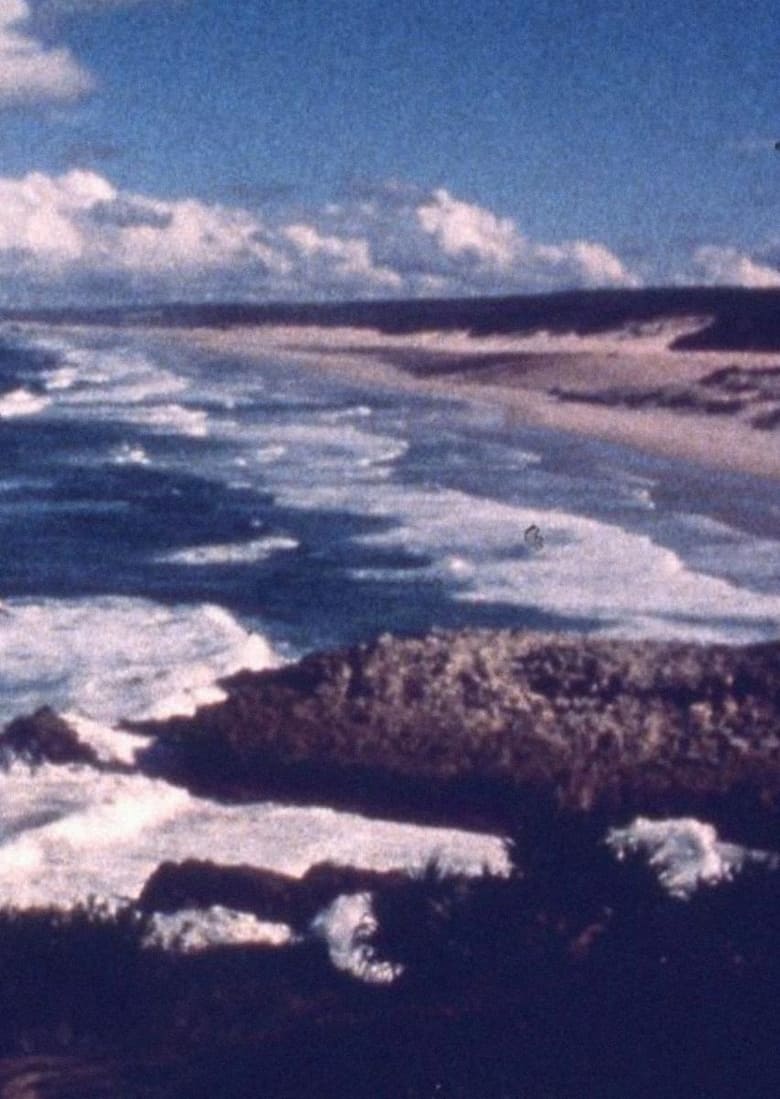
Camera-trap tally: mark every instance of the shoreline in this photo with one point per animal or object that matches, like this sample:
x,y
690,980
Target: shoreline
x,y
628,390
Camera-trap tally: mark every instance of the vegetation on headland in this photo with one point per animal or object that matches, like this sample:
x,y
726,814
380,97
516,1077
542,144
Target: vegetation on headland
x,y
578,976
473,724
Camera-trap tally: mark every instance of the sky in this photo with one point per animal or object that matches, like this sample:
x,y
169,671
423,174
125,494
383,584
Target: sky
x,y
310,150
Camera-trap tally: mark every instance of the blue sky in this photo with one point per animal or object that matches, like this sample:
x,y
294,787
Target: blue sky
x,y
312,149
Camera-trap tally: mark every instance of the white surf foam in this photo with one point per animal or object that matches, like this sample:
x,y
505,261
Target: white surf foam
x,y
354,412
108,658
587,568
68,833
63,377
348,926
385,457
123,384
21,402
714,546
259,549
130,455
121,376
175,419
111,745
269,453
685,852
193,930
333,445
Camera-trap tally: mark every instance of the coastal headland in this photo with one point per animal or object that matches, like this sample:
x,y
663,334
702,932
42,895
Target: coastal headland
x,y
494,723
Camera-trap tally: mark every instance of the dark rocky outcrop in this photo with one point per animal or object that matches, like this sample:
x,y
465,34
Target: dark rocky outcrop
x,y
677,398
477,717
268,895
44,737
724,392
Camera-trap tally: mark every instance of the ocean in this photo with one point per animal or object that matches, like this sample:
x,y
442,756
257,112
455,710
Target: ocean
x,y
169,516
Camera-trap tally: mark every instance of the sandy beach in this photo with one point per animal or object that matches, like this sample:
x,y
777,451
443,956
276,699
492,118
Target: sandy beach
x,y
720,409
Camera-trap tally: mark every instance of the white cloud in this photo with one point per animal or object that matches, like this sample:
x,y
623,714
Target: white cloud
x,y
76,234
728,266
39,216
478,239
31,73
441,244
467,231
580,263
332,261
77,237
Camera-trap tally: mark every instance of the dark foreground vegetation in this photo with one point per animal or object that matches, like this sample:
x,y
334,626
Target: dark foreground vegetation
x,y
578,977
732,318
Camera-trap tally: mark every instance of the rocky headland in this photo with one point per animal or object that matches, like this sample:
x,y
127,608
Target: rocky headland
x,y
494,722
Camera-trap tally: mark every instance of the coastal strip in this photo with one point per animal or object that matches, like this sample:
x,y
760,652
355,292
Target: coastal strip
x,y
717,408
687,372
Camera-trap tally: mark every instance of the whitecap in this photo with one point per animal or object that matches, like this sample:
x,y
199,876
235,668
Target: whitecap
x,y
192,930
685,852
269,453
259,549
110,745
100,834
130,455
385,457
111,657
21,402
588,568
354,412
122,376
348,926
64,377
174,418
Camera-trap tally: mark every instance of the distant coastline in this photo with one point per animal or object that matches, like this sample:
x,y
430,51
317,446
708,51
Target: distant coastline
x,y
688,373
733,318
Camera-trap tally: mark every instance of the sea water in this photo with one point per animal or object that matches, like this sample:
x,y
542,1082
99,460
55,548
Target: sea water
x,y
169,516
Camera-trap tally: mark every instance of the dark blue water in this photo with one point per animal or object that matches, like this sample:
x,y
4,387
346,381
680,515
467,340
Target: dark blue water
x,y
321,513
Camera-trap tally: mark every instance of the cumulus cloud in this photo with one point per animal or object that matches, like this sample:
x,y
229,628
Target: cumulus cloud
x,y
77,237
469,232
59,234
29,72
730,267
442,244
332,262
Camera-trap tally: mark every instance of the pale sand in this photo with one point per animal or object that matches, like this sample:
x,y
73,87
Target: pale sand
x,y
529,367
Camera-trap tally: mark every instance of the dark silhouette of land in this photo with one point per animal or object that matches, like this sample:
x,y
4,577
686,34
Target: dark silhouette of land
x,y
733,318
